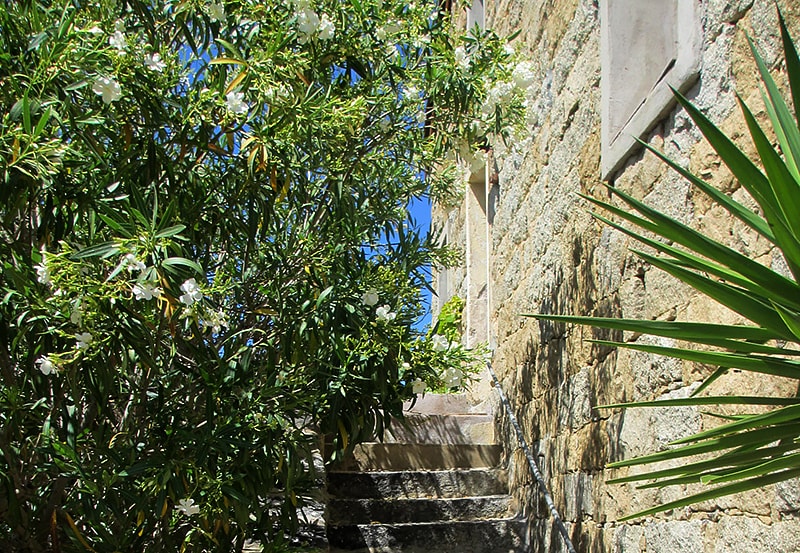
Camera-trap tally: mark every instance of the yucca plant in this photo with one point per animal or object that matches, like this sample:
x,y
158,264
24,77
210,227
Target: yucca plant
x,y
752,450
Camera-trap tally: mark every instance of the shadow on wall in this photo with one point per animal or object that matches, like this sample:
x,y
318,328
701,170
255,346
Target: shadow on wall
x,y
562,380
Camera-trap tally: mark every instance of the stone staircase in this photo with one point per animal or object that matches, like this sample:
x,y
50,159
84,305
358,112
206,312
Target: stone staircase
x,y
431,487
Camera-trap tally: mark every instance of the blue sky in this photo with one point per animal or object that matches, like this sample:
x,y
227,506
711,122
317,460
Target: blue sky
x,y
420,211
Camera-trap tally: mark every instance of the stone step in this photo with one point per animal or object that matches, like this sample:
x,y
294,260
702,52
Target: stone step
x,y
416,484
399,456
393,510
441,404
484,536
423,428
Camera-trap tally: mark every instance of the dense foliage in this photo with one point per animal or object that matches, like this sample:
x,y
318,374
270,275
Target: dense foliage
x,y
206,257
753,449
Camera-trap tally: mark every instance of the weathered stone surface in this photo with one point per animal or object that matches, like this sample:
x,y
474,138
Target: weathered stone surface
x,y
549,255
743,534
501,536
415,484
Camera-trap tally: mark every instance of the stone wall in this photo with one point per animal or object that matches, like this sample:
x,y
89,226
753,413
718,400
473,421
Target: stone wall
x,y
549,255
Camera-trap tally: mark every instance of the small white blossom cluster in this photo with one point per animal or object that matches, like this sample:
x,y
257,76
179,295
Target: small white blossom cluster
x,y
462,58
452,377
389,29
383,313
216,12
83,340
46,365
415,98
143,289
187,507
107,87
191,293
500,95
215,321
310,24
117,39
440,343
154,62
43,270
523,76
235,103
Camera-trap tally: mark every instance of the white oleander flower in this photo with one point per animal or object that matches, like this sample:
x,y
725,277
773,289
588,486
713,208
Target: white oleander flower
x,y
83,340
452,377
439,342
187,507
46,365
523,75
76,314
216,12
326,28
117,40
307,23
146,290
133,264
385,314
216,321
410,92
108,88
43,273
154,62
235,103
462,59
191,292
391,52
370,297
418,386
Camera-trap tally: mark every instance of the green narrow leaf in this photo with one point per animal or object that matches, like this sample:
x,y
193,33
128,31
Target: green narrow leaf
x,y
721,491
233,50
724,336
713,377
42,122
790,318
781,179
26,113
173,262
775,417
170,231
739,457
754,363
324,294
792,65
752,438
226,61
745,171
707,400
734,298
732,206
773,465
784,125
114,225
696,241
765,282
105,249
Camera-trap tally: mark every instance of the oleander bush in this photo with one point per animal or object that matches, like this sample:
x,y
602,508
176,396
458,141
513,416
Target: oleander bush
x,y
206,255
